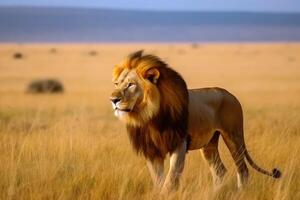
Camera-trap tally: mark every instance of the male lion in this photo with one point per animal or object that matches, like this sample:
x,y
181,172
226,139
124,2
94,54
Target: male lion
x,y
162,116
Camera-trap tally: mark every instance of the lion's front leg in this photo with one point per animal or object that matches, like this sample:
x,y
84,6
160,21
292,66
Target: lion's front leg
x,y
176,167
156,169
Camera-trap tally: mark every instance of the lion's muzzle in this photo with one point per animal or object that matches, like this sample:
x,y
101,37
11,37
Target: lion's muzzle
x,y
115,100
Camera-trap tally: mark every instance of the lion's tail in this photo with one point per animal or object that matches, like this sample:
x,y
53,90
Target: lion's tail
x,y
275,172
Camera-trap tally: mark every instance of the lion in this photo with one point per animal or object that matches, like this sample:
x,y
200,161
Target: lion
x,y
163,117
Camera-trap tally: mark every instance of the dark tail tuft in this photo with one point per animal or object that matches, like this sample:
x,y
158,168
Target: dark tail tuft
x,y
276,173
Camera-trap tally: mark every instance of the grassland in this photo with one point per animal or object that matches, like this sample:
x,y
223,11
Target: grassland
x,y
70,146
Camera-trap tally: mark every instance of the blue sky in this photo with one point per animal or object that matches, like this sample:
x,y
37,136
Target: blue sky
x,y
224,5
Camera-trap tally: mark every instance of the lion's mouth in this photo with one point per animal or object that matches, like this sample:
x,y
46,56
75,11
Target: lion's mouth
x,y
123,110
118,109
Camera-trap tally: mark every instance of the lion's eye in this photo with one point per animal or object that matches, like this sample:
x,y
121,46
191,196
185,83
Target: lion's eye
x,y
130,85
116,84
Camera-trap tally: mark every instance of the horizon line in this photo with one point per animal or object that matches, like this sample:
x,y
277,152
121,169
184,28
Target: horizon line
x,y
149,10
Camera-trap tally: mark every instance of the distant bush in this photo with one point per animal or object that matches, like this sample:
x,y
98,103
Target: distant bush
x,y
45,86
291,59
93,53
53,51
194,45
18,55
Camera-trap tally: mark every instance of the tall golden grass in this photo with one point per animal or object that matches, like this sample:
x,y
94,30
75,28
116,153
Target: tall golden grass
x,y
70,146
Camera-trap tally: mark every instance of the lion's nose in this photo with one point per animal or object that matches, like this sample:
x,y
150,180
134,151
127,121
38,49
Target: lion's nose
x,y
115,99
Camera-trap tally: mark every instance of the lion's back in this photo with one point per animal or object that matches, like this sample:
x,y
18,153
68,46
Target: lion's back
x,y
213,98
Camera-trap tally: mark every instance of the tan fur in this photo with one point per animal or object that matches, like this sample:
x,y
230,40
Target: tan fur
x,y
165,117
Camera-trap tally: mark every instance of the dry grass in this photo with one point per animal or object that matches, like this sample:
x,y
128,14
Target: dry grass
x,y
70,146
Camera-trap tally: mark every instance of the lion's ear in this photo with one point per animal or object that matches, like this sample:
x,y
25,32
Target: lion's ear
x,y
152,75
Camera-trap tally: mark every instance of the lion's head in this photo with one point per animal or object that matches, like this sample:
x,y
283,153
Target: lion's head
x,y
143,84
136,97
148,96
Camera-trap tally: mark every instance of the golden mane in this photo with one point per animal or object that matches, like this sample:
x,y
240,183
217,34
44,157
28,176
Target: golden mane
x,y
166,129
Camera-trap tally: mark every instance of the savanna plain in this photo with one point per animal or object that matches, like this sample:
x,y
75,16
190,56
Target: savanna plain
x,y
70,145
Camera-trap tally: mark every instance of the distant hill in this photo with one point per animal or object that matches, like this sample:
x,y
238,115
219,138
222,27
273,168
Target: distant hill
x,y
24,24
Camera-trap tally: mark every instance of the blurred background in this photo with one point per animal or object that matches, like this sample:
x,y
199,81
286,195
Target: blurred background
x,y
149,21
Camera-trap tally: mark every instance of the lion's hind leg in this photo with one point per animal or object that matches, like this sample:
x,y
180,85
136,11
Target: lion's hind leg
x,y
237,150
211,154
